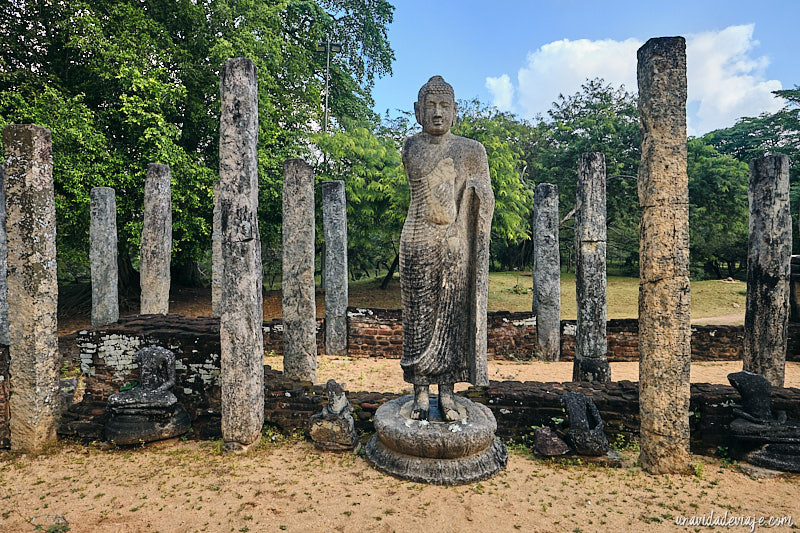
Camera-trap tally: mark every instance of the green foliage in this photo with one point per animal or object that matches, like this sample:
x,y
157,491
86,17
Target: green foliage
x,y
123,83
718,209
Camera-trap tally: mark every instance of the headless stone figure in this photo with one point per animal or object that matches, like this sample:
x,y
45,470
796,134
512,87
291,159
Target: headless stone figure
x,y
156,377
444,255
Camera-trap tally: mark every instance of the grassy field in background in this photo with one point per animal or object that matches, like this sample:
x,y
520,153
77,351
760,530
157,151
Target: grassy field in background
x,y
511,291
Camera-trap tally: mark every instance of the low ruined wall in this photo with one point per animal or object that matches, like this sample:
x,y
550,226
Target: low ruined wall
x,y
106,360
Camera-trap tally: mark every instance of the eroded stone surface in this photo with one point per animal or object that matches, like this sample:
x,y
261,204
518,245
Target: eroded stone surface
x,y
546,272
216,255
591,363
334,428
149,411
241,307
334,219
664,320
32,286
444,251
299,307
103,255
586,430
156,248
547,443
766,318
3,262
438,452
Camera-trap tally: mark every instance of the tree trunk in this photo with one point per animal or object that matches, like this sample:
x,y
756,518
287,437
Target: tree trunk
x,y
390,274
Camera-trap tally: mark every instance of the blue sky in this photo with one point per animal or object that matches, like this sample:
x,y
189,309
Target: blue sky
x,y
520,54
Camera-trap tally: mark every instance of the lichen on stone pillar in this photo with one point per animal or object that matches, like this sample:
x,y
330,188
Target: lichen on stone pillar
x,y
766,319
664,314
241,308
299,306
103,256
591,363
156,246
32,287
546,272
334,221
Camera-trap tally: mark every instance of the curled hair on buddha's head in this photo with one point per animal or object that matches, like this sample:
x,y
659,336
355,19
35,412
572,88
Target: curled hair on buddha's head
x,y
436,85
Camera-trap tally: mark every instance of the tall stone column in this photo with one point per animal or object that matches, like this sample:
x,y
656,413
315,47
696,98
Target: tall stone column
x,y
334,222
299,307
103,255
242,311
664,315
4,340
591,363
546,272
216,256
156,247
766,319
32,287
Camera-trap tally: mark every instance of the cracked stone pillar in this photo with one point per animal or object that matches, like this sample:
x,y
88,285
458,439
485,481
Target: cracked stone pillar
x,y
241,304
766,318
664,314
590,362
156,247
3,263
334,221
546,272
216,255
103,255
32,287
299,307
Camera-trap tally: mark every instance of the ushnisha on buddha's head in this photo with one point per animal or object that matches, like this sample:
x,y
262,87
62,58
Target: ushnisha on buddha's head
x,y
436,106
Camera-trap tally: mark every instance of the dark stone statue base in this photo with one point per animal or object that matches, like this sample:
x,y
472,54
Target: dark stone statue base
x,y
783,457
136,428
436,451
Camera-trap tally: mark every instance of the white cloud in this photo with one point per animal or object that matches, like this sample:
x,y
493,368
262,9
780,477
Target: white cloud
x,y
502,92
726,79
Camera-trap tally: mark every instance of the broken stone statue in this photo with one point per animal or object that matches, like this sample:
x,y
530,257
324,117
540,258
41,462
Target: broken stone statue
x,y
149,411
586,433
334,428
763,438
444,265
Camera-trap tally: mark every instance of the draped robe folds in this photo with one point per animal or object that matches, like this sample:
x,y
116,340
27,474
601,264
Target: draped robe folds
x,y
444,260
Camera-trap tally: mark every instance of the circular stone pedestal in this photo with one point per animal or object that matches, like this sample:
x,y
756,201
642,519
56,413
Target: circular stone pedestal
x,y
436,451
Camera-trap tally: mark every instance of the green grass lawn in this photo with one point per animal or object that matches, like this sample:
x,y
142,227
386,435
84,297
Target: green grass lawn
x,y
511,291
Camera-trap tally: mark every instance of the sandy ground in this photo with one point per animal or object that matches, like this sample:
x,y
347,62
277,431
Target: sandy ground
x,y
385,375
287,485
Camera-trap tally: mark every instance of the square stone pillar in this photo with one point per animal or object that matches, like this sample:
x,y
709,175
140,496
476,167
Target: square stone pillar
x,y
156,246
103,255
334,222
664,313
546,272
32,287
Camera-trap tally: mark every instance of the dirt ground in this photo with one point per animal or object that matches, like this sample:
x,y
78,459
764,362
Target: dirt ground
x,y
287,485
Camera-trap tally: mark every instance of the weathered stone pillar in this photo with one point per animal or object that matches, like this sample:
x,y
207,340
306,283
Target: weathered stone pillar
x,y
546,272
794,289
216,255
664,315
590,270
334,222
766,319
103,255
156,248
3,262
241,307
299,307
32,286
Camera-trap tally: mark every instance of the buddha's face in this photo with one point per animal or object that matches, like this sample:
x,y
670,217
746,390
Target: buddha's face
x,y
436,113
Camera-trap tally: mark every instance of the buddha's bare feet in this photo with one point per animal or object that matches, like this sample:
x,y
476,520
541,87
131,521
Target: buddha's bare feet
x,y
447,403
421,408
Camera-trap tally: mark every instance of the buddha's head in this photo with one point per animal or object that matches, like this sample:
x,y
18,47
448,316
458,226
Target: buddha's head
x,y
436,107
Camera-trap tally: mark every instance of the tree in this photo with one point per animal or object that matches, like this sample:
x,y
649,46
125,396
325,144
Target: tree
x,y
142,80
718,212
